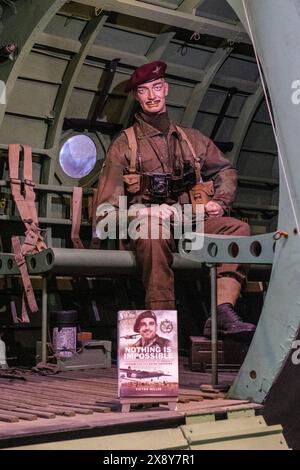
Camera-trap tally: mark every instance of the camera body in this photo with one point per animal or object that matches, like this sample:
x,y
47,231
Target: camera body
x,y
159,185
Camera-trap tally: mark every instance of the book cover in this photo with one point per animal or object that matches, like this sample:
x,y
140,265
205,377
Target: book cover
x,y
147,353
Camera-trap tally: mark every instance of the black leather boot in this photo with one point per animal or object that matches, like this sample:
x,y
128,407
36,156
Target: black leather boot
x,y
229,323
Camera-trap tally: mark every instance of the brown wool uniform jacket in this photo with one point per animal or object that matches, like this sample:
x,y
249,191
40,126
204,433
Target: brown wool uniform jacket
x,y
160,153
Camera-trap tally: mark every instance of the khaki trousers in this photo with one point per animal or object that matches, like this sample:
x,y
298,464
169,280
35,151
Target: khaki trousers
x,y
155,258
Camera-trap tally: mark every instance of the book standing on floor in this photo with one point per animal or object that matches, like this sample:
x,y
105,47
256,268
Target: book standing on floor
x,y
147,353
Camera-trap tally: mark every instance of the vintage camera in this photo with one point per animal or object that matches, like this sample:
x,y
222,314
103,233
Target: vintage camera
x,y
159,185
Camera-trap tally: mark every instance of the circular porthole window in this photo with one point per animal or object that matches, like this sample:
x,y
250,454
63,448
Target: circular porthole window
x,y
77,157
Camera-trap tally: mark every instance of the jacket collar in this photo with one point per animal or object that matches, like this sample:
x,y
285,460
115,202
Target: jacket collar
x,y
145,130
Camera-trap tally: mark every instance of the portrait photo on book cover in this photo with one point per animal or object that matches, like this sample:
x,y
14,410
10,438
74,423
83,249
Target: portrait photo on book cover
x,y
147,353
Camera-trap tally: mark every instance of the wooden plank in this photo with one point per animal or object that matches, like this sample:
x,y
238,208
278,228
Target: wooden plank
x,y
8,418
75,390
42,393
183,399
190,397
10,411
79,397
40,414
76,406
19,408
48,409
188,391
32,405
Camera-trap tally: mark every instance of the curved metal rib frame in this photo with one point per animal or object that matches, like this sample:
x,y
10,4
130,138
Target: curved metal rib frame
x,y
276,24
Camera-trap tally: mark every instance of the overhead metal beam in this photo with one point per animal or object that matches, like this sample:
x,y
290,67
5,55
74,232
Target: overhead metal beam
x,y
162,3
159,45
200,89
172,18
181,71
189,6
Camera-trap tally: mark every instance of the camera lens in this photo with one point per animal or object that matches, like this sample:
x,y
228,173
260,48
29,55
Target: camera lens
x,y
160,187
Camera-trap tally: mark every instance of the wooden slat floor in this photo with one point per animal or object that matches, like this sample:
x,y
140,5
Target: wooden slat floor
x,y
34,407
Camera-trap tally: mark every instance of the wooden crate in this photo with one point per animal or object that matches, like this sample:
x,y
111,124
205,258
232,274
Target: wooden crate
x,y
231,354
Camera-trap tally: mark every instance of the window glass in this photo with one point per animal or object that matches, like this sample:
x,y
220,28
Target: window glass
x,y
77,156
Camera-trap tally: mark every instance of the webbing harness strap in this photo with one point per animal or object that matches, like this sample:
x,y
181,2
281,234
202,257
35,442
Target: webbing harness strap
x,y
76,220
132,144
76,209
34,241
192,150
76,217
28,290
25,203
95,242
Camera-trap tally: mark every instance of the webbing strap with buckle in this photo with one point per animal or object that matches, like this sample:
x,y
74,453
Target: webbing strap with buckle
x,y
28,290
34,241
132,144
192,150
26,203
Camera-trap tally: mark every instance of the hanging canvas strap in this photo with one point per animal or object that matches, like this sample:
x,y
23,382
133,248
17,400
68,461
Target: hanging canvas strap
x,y
25,204
92,209
76,221
76,217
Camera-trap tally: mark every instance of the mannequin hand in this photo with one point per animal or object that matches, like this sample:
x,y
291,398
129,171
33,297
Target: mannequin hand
x,y
163,212
213,209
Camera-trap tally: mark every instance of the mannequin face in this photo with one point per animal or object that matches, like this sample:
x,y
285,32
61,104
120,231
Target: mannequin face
x,y
152,96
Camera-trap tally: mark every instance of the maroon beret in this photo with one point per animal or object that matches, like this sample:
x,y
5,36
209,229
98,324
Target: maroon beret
x,y
146,73
141,316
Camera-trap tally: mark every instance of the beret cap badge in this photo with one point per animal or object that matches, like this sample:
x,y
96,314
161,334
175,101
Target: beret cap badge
x,y
146,73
